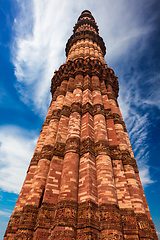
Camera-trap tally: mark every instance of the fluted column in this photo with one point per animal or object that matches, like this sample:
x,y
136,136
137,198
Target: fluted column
x,y
45,219
66,212
35,195
133,185
88,221
109,216
129,225
146,229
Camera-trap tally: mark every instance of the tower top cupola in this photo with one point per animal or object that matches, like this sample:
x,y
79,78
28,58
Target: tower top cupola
x,y
85,28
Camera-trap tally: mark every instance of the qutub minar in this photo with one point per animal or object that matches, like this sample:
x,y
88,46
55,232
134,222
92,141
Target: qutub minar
x,y
83,181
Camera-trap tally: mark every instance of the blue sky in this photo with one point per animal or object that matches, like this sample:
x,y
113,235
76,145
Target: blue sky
x,y
33,35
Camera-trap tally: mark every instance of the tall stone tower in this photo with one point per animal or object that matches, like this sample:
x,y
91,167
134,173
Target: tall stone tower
x,y
83,180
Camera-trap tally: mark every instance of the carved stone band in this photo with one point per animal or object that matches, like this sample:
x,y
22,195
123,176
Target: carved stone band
x,y
76,107
66,111
88,215
84,67
47,152
98,109
47,120
35,159
14,221
46,216
115,153
144,226
87,145
72,145
56,114
59,149
108,114
28,217
87,108
110,217
66,213
101,147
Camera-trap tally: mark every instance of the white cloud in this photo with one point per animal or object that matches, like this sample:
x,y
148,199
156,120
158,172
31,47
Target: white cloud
x,y
16,149
6,213
145,177
137,126
153,94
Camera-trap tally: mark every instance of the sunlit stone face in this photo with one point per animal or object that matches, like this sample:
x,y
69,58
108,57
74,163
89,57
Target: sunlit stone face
x,y
85,48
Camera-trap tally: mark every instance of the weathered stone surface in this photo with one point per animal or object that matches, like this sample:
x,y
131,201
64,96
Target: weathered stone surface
x,y
110,217
41,233
78,82
87,190
87,127
95,83
35,159
87,233
111,234
129,223
87,108
69,178
87,85
35,194
134,190
98,109
88,215
60,233
28,217
111,132
100,131
66,214
56,114
144,226
76,107
87,145
59,149
47,152
13,224
25,189
115,152
46,215
52,188
74,126
101,148
122,189
105,180
108,114
72,145
97,97
66,111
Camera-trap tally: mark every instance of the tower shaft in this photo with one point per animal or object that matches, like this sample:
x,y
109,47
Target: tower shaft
x,y
83,181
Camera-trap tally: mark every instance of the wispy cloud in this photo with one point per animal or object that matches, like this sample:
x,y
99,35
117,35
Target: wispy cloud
x,y
16,149
131,104
145,176
40,50
158,234
6,213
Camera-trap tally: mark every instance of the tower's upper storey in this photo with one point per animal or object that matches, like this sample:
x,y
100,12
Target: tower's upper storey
x,y
85,41
86,22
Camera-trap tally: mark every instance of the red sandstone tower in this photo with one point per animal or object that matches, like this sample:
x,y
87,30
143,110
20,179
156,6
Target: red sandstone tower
x,y
83,180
